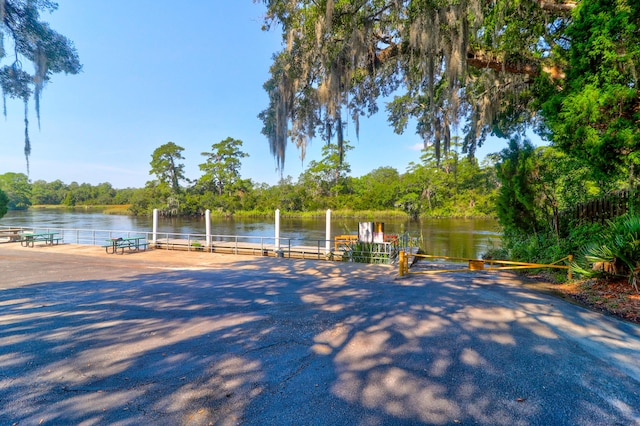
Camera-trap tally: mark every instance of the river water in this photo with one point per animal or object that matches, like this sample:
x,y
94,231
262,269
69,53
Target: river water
x,y
468,238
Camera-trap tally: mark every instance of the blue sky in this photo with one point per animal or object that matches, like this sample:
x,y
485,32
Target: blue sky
x,y
154,73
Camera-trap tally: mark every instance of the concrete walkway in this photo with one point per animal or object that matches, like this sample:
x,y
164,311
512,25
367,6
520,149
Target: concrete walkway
x,y
170,338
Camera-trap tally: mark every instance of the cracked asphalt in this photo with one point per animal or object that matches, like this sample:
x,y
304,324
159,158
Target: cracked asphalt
x,y
169,338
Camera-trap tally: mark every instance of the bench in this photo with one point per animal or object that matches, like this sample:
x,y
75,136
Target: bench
x,y
344,241
131,243
11,237
12,234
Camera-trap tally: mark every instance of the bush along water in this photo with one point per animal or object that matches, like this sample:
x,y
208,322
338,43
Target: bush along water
x,y
547,247
362,252
615,251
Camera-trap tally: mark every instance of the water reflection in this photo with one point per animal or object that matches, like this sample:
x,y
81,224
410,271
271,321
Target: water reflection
x,y
446,237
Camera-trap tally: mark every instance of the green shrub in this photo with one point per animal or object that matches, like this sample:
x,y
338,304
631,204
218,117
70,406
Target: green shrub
x,y
367,253
617,246
4,202
546,248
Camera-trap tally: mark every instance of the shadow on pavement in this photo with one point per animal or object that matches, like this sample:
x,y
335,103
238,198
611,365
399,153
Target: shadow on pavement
x,y
268,342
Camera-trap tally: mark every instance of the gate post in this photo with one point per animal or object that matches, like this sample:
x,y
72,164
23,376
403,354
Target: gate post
x,y
570,272
406,264
401,263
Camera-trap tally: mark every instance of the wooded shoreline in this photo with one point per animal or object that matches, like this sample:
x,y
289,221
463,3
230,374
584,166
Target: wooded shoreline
x,y
340,213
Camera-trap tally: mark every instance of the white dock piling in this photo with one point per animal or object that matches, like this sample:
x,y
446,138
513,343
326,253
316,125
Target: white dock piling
x,y
155,226
207,219
327,247
277,236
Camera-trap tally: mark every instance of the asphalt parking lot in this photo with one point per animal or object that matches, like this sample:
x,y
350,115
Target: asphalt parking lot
x,y
169,338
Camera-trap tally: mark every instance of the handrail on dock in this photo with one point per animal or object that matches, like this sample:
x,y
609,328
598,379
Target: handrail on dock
x,y
234,244
343,245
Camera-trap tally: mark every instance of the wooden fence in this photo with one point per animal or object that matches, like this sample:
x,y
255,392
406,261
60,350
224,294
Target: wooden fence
x,y
601,209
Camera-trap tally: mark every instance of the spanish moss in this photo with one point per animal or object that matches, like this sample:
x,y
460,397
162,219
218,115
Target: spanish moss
x,y
47,51
27,142
450,63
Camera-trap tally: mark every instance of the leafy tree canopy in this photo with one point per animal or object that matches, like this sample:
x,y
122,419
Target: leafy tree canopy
x,y
166,166
595,113
17,188
25,38
468,64
4,202
222,166
221,185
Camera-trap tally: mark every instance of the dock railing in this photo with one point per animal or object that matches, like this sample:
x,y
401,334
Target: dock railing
x,y
386,252
234,244
92,237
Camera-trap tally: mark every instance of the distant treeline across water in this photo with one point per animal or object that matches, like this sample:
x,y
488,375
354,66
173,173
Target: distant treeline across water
x,y
446,237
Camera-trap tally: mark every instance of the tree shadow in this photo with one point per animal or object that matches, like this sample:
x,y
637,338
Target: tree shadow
x,y
301,342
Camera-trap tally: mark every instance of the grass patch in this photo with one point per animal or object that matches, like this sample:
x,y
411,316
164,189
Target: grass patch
x,y
371,215
119,209
349,214
99,208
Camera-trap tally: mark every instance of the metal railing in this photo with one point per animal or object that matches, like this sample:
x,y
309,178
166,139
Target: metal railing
x,y
241,244
237,244
384,253
80,236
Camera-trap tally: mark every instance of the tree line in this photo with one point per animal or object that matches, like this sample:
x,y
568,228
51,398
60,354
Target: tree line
x,y
566,69
22,193
453,185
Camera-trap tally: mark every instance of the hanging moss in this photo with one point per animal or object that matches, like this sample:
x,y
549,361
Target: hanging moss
x,y
34,42
460,64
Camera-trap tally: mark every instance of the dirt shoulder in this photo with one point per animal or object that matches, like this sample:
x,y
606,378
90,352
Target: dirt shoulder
x,y
614,297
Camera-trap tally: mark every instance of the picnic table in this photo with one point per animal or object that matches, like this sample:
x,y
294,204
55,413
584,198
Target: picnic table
x,y
135,243
29,239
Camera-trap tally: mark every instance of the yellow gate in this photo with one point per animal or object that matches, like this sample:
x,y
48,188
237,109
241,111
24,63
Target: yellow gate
x,y
479,264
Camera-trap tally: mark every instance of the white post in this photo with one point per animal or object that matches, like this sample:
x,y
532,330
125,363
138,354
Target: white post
x,y
155,225
207,218
277,241
327,247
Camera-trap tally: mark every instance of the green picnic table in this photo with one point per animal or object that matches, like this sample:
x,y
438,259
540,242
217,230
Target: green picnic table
x,y
29,239
132,243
